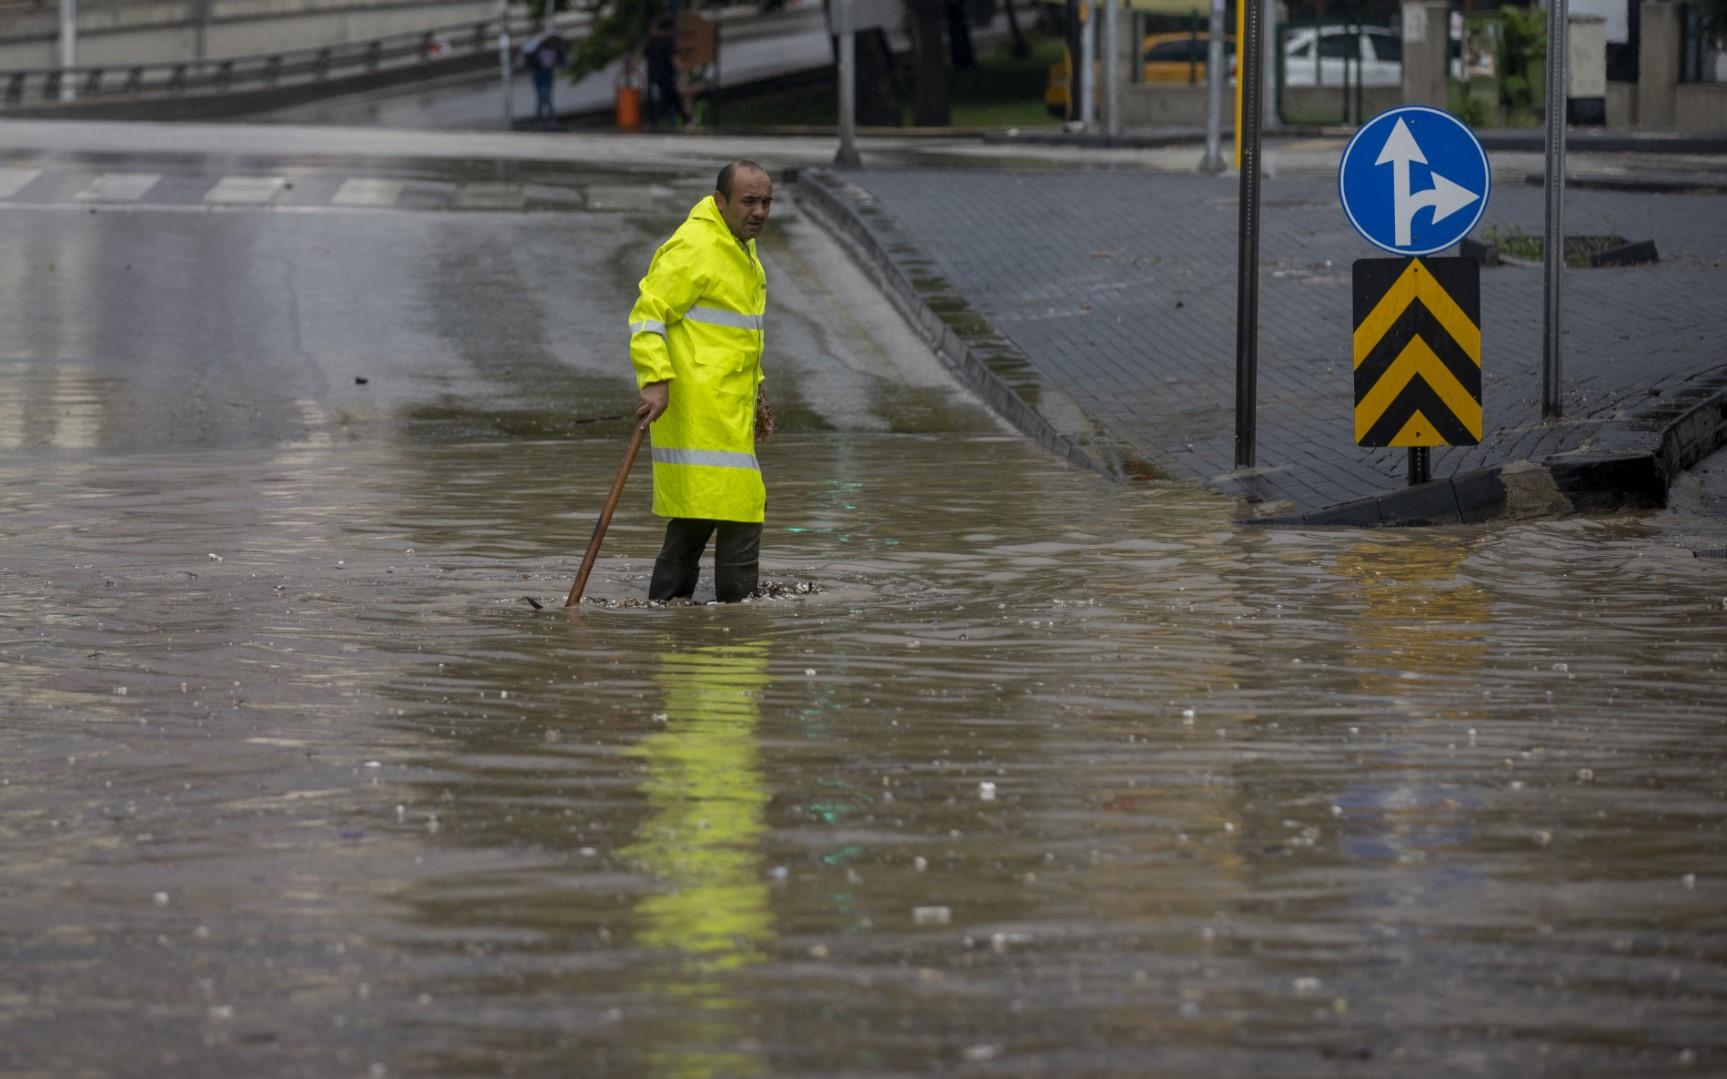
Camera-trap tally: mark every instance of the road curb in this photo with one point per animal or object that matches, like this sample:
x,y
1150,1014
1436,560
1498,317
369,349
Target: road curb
x,y
984,360
1586,482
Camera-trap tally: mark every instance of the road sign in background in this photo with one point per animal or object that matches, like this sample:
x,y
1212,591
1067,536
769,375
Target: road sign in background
x,y
1417,352
1413,180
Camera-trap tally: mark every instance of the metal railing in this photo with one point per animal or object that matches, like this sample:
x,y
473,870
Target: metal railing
x,y
262,71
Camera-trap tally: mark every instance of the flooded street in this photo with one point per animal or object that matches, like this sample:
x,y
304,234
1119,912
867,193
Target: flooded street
x,y
1052,776
1045,776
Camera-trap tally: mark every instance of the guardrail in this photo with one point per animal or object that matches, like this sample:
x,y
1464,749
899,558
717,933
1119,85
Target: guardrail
x,y
263,71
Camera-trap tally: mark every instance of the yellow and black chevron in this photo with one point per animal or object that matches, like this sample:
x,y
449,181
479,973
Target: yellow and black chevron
x,y
1417,352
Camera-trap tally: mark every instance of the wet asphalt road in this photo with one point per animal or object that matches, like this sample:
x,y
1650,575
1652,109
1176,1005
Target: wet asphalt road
x,y
1050,777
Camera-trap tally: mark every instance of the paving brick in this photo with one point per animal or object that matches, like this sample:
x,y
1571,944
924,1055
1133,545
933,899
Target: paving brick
x,y
1119,289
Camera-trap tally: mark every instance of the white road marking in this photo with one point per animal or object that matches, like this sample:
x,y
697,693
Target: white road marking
x,y
359,191
492,196
119,187
12,181
245,189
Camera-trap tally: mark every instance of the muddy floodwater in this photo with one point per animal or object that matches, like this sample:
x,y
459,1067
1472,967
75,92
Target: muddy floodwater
x,y
1051,777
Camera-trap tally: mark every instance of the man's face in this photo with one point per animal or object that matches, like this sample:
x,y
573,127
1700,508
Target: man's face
x,y
746,210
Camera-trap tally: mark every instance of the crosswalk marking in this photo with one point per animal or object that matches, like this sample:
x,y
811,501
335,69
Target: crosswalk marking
x,y
492,196
119,187
359,191
12,181
252,190
114,192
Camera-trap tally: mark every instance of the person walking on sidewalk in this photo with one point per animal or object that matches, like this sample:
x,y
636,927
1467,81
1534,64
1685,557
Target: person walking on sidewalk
x,y
661,56
696,345
545,57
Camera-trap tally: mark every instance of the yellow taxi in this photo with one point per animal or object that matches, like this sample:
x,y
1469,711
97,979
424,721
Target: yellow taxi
x,y
1165,58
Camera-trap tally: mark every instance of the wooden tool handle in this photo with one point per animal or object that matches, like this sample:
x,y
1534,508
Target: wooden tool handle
x,y
606,517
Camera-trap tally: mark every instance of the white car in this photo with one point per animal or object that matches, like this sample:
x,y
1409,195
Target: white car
x,y
1374,55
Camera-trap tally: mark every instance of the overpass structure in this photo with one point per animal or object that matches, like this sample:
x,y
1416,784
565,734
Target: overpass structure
x,y
116,32
171,60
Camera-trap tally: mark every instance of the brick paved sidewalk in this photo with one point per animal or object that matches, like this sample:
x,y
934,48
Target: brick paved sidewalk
x,y
1108,301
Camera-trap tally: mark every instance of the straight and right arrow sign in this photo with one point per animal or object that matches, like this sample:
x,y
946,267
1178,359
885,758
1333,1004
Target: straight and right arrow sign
x,y
1417,206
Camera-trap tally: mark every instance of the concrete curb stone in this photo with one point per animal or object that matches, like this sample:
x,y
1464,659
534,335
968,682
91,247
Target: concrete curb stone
x,y
1585,482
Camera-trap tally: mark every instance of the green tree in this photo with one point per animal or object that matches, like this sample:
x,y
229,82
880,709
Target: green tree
x,y
1522,42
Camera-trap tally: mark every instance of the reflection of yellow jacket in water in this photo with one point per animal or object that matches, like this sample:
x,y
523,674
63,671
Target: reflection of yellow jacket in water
x,y
709,805
698,322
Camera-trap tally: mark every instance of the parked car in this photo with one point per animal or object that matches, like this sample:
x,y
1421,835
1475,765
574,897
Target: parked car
x,y
1375,51
1179,57
1166,58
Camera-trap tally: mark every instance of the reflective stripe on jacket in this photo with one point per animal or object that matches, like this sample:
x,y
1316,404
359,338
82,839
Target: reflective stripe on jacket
x,y
698,322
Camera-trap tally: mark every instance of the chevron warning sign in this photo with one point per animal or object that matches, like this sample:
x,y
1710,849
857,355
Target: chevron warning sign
x,y
1417,352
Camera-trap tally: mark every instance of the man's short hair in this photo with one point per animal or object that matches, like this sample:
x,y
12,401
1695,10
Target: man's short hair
x,y
724,184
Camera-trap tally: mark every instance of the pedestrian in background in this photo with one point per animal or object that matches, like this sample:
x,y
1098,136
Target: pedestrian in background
x,y
696,345
661,54
545,57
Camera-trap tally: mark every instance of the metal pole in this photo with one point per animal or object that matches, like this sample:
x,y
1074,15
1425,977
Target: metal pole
x,y
1360,74
1111,69
1553,234
1087,60
201,34
1247,245
1214,77
1420,464
1268,36
68,49
504,64
848,154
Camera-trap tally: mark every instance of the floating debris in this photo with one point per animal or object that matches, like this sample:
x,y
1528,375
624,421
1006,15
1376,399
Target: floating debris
x,y
784,589
532,602
767,590
931,915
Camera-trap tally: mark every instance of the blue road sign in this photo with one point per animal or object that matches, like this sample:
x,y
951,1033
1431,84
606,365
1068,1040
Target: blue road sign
x,y
1413,180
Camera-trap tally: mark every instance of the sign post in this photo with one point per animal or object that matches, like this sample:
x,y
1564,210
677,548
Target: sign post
x,y
1553,240
1248,116
1414,181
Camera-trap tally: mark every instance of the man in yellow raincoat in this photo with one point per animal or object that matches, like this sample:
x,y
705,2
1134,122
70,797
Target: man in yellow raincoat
x,y
696,344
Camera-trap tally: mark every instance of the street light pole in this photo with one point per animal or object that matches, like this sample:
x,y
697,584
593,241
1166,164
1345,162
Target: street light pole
x,y
504,64
1087,61
68,48
848,154
1214,80
1111,69
1553,242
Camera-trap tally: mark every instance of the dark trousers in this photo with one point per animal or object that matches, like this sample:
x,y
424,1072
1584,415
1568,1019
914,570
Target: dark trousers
x,y
736,554
666,97
543,80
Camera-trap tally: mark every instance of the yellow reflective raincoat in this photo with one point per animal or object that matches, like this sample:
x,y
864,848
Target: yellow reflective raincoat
x,y
698,322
